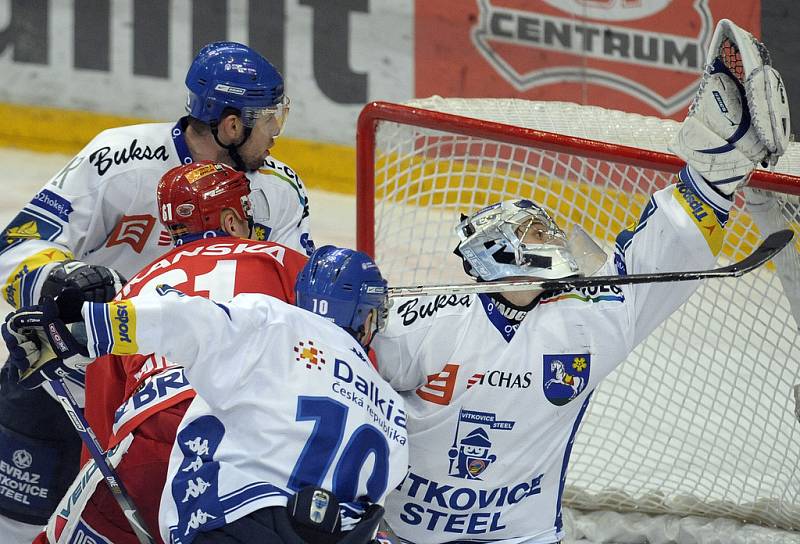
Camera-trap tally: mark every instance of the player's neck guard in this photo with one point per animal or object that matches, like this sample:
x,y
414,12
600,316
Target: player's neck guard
x,y
188,238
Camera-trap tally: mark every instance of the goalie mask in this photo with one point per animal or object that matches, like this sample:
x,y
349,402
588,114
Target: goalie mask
x,y
517,238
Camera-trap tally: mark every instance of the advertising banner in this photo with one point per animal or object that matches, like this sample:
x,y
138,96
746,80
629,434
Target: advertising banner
x,y
633,55
129,57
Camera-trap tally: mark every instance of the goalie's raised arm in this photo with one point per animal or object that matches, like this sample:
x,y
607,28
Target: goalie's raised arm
x,y
770,247
740,115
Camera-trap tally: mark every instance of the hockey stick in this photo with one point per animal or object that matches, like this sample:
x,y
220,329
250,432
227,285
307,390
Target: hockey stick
x,y
764,252
124,500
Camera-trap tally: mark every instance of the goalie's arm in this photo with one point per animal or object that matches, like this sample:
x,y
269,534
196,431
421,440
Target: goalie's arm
x,y
738,119
680,229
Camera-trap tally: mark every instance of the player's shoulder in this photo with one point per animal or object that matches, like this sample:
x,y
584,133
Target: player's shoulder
x,y
207,251
279,169
410,313
258,252
125,148
279,313
276,176
605,295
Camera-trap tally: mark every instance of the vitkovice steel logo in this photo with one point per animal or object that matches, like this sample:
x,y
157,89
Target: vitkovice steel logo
x,y
630,46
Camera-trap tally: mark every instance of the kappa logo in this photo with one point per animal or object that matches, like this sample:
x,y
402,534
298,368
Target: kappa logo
x,y
133,230
309,354
616,44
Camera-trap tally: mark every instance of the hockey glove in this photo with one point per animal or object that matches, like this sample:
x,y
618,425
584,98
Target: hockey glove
x,y
740,115
41,345
97,283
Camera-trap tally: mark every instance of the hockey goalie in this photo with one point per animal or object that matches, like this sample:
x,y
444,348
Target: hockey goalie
x,y
496,384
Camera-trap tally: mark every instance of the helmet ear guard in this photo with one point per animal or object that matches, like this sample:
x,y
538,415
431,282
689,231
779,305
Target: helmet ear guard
x,y
494,243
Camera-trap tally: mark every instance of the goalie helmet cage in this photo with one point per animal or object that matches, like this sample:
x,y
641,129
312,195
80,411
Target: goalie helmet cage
x,y
698,424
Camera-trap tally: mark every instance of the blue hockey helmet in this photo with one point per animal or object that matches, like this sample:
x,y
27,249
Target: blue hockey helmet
x,y
342,285
232,75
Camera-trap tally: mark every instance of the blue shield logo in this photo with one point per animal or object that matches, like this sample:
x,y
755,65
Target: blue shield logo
x,y
565,376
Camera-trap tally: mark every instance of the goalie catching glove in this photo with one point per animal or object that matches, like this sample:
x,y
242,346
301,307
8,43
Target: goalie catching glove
x,y
41,344
740,114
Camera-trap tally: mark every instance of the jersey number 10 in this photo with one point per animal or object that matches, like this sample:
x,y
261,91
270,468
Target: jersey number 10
x,y
325,443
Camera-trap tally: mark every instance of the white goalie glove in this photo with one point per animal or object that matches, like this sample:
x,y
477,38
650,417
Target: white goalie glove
x,y
740,114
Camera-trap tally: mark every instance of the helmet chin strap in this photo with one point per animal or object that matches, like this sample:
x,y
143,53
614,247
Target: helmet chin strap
x,y
232,149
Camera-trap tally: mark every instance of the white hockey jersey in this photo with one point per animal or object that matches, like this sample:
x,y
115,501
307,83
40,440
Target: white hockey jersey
x,y
288,400
101,208
493,408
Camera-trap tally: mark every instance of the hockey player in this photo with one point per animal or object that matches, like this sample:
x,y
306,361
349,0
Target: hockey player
x,y
101,210
294,437
496,386
139,400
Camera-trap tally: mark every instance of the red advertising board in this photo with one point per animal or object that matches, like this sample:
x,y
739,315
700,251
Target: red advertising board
x,y
642,56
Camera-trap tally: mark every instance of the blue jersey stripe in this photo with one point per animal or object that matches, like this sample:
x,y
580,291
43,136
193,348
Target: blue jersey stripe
x,y
100,327
245,495
27,284
564,464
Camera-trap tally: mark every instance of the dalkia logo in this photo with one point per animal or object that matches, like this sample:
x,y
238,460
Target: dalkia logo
x,y
626,45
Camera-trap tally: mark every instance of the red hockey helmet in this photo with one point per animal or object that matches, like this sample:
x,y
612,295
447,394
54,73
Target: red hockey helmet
x,y
191,197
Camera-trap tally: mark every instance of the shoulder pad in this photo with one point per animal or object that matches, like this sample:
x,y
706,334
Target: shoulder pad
x,y
604,293
128,147
408,311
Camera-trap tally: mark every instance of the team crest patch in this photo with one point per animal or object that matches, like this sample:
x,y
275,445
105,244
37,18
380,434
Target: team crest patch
x,y
29,224
261,232
471,452
565,376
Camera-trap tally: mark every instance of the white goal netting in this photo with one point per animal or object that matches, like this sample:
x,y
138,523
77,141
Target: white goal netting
x,y
700,420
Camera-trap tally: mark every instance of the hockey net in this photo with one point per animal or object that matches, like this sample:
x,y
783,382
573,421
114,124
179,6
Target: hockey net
x,y
698,425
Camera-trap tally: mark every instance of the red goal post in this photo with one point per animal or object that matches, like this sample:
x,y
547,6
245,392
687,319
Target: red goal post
x,y
376,112
700,420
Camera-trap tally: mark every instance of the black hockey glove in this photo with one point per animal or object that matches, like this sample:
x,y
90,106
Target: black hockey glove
x,y
41,345
97,283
